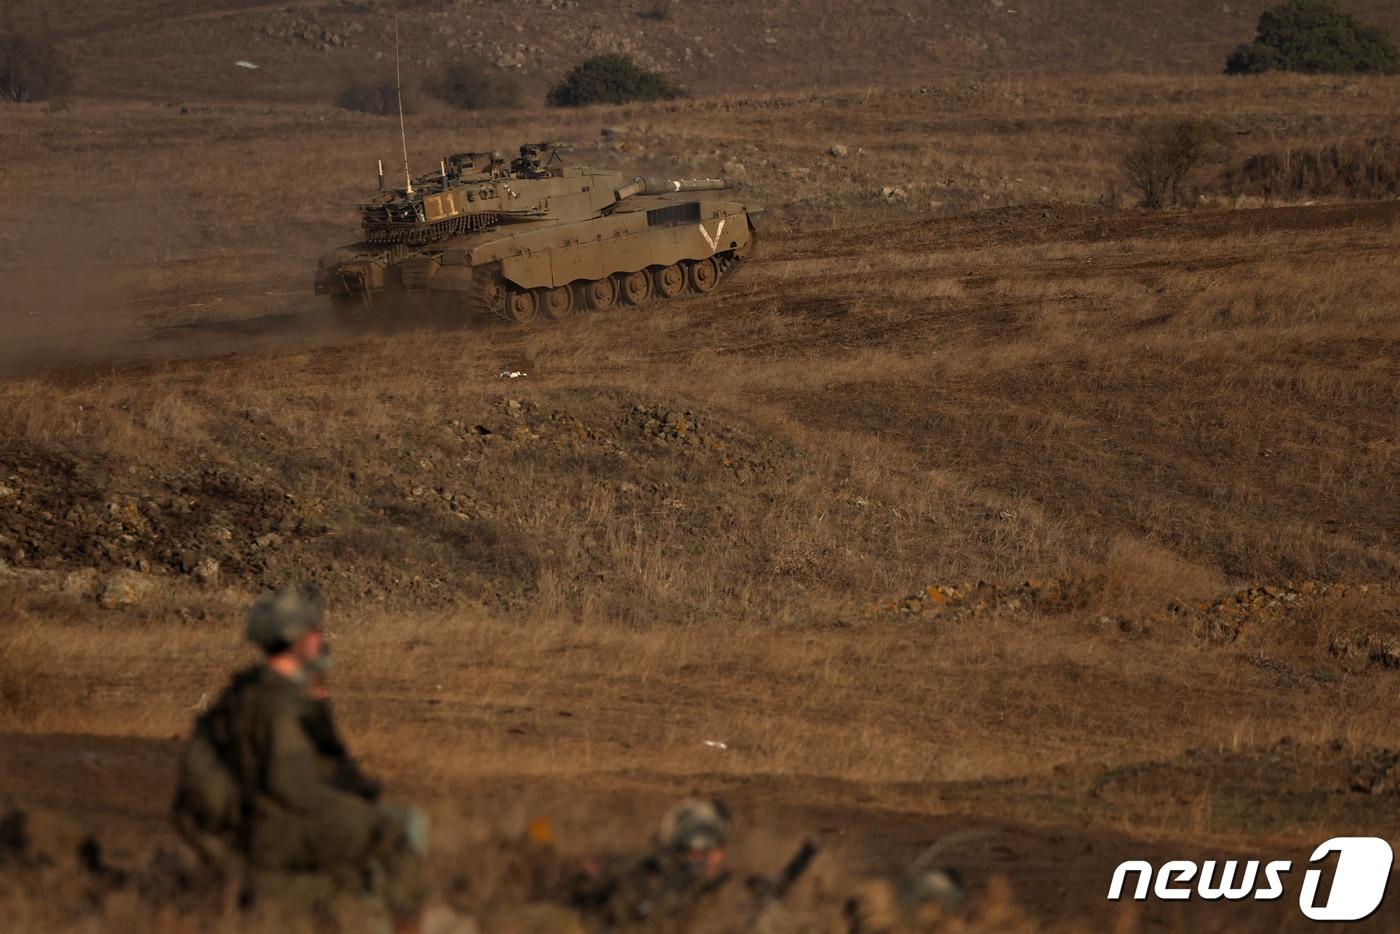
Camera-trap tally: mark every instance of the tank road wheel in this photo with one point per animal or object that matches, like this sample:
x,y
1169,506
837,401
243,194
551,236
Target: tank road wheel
x,y
556,303
636,288
704,275
601,293
494,299
521,306
670,281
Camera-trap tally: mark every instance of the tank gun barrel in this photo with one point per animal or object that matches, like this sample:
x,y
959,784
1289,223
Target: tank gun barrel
x,y
643,185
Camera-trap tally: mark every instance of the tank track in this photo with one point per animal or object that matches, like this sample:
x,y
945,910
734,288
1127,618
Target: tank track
x,y
729,263
488,295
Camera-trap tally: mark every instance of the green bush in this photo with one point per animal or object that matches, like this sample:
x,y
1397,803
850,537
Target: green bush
x,y
468,84
31,71
1315,37
611,79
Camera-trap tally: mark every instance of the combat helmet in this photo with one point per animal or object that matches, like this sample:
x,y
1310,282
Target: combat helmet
x,y
929,886
695,824
278,618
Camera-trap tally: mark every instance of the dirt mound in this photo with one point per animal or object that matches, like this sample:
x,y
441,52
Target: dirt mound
x,y
1353,623
63,514
465,509
1300,781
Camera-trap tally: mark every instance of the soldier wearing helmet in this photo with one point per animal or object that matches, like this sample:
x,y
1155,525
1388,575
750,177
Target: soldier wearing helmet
x,y
662,886
293,801
920,900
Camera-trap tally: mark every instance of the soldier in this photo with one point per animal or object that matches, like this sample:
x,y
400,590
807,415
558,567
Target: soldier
x,y
663,886
920,900
267,776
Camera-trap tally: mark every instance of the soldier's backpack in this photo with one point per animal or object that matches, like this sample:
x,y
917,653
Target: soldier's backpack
x,y
208,807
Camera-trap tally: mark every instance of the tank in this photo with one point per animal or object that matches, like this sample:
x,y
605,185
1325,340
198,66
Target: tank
x,y
537,239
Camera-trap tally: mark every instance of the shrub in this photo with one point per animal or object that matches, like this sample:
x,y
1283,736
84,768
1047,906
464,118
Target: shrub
x,y
1315,37
471,85
31,70
1348,169
611,79
365,95
1164,155
656,12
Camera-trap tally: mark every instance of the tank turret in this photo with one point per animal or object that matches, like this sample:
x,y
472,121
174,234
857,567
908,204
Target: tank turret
x,y
537,237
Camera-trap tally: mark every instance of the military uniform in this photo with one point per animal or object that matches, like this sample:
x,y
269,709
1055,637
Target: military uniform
x,y
299,803
306,806
664,886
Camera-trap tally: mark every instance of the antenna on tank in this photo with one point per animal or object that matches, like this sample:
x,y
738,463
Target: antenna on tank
x,y
381,174
398,92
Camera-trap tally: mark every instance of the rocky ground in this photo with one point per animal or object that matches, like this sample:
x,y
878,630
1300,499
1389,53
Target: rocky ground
x,y
118,528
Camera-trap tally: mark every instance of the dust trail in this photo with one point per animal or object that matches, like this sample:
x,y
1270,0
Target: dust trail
x,y
52,318
54,333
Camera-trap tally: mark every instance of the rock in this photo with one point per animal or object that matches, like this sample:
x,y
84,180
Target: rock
x,y
1386,654
256,415
6,492
269,540
124,589
82,584
838,151
207,571
733,169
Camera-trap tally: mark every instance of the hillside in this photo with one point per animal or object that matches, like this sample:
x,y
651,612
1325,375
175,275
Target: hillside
x,y
156,49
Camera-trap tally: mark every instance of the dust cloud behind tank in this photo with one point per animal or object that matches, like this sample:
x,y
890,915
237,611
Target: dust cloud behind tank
x,y
537,238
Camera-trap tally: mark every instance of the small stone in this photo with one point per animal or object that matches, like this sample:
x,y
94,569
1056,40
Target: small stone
x,y
82,584
838,151
256,415
268,540
123,589
207,571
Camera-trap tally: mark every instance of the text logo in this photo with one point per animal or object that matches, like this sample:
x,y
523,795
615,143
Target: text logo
x,y
1358,881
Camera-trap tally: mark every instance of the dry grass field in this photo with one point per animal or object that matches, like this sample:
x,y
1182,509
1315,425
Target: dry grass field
x,y
979,503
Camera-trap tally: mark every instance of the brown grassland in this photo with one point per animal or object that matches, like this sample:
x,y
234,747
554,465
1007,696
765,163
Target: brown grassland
x,y
1140,473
